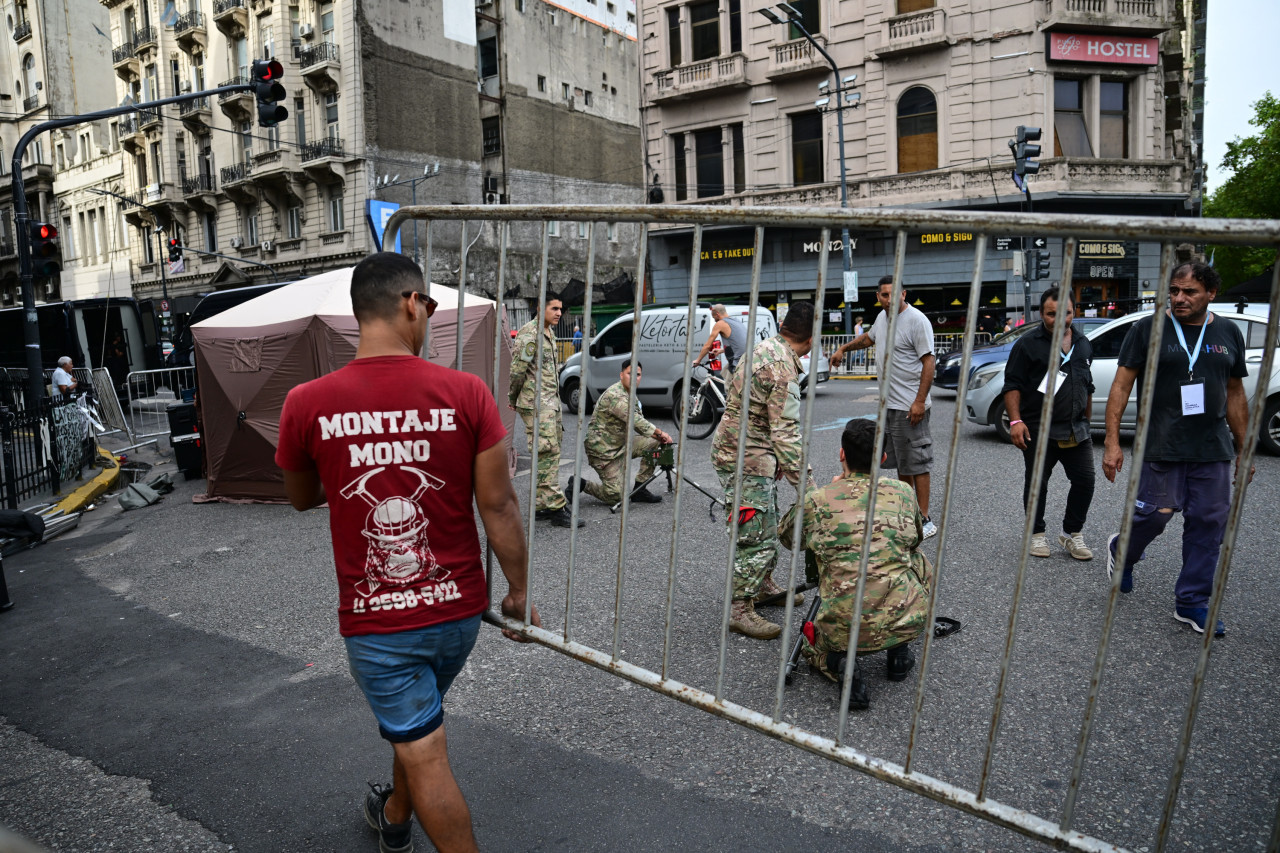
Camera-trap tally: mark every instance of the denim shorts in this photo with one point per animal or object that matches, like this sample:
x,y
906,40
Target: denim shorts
x,y
405,676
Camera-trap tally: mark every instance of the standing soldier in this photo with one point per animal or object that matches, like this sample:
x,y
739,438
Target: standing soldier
x,y
607,442
523,398
895,599
772,452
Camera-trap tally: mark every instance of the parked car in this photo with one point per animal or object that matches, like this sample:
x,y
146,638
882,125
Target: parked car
x,y
984,404
946,374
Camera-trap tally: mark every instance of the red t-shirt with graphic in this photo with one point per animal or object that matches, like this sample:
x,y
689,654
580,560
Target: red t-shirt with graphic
x,y
393,439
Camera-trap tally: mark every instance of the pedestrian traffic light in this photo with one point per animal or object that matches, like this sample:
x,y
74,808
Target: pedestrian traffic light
x,y
175,250
267,88
1041,264
44,249
1024,149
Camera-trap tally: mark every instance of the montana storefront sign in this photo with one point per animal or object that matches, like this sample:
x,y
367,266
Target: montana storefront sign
x,y
1102,48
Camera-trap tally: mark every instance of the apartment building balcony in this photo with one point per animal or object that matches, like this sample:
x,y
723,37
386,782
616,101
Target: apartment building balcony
x,y
322,159
237,106
231,17
148,119
1136,17
237,181
189,31
22,31
699,79
914,32
124,58
196,114
131,138
144,39
796,58
321,67
273,169
31,104
200,192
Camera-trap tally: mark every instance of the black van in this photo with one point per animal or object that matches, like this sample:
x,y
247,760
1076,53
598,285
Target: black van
x,y
212,305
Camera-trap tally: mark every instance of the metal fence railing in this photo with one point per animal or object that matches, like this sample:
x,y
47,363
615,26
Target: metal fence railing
x,y
703,681
41,448
150,393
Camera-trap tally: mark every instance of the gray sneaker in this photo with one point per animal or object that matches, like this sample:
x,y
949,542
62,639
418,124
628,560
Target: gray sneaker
x,y
392,837
1074,543
1039,545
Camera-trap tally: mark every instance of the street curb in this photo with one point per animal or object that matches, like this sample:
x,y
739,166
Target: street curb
x,y
861,376
101,484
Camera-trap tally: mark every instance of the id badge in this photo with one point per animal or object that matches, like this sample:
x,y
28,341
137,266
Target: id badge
x,y
1193,397
1044,383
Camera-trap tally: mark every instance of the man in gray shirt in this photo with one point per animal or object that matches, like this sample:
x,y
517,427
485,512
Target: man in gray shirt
x,y
907,437
734,333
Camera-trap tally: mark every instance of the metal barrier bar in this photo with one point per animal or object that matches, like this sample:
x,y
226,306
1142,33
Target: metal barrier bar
x,y
150,393
745,366
971,319
1145,402
1028,525
797,528
462,302
583,373
681,427
1244,465
537,416
629,441
426,274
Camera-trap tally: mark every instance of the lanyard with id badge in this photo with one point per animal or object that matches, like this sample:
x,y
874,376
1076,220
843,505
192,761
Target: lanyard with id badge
x,y
1192,389
1061,383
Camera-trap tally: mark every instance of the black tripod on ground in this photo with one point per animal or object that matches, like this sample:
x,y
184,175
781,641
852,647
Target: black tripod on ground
x,y
664,458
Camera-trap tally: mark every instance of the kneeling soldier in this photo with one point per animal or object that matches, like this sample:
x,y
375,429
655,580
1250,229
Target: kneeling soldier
x,y
606,443
895,602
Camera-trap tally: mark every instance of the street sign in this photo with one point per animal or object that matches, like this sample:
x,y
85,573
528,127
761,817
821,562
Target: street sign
x,y
851,286
1039,242
1003,244
164,304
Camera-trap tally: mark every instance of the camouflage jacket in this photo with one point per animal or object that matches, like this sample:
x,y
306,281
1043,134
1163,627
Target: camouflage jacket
x,y
523,376
773,421
895,602
607,432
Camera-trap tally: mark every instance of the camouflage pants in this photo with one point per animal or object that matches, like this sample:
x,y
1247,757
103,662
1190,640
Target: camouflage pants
x,y
549,433
613,472
757,531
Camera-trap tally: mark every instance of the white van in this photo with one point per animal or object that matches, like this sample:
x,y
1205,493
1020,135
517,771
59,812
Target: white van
x,y
662,346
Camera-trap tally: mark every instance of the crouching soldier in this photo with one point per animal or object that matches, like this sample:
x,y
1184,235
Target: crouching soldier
x,y
895,601
606,443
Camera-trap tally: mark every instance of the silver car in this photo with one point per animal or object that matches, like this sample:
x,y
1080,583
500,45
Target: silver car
x,y
984,404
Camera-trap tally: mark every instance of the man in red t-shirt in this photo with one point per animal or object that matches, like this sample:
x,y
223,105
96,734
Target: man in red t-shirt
x,y
398,446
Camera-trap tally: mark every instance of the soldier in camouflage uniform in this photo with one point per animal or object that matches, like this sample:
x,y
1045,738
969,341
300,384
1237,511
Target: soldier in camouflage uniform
x,y
895,600
523,398
606,443
772,452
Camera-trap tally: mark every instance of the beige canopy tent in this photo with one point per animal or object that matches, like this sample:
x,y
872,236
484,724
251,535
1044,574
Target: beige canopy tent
x,y
250,356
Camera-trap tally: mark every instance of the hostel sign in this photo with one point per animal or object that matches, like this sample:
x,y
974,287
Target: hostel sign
x,y
1103,48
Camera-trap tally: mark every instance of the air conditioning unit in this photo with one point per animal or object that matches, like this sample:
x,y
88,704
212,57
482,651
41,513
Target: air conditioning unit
x,y
186,86
237,242
306,31
267,246
490,198
481,4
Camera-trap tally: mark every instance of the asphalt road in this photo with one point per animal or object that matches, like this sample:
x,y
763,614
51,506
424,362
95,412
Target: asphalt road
x,y
172,678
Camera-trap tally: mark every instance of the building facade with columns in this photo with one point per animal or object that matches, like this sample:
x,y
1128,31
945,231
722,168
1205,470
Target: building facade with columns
x,y
739,110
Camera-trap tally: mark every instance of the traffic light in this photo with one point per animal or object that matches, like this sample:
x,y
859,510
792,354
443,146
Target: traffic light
x,y
44,249
267,88
1039,265
175,250
1024,148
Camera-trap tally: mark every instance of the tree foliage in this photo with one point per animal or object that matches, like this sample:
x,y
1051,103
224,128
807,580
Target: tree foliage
x,y
1252,192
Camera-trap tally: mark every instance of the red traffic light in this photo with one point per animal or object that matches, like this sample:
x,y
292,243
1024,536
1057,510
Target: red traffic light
x,y
44,231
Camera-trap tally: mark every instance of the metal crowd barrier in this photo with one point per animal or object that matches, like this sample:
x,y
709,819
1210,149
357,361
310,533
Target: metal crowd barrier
x,y
150,394
1057,831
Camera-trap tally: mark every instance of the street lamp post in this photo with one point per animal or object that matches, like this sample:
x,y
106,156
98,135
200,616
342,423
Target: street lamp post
x,y
795,19
428,171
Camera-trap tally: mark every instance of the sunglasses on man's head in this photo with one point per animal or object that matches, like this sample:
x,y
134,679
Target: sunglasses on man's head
x,y
426,300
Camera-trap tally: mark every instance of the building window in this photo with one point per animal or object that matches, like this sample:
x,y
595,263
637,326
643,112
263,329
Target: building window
x,y
810,18
735,25
1070,135
326,22
331,116
564,91
673,35
553,227
273,138
488,50
148,245
611,231
300,119
211,232
542,83
240,57
582,230
295,31
246,141
917,130
337,220
905,6
175,76
586,98
708,148
492,130
704,30
251,226
267,39
59,157
1113,103
682,173
739,159
806,148
293,222
157,162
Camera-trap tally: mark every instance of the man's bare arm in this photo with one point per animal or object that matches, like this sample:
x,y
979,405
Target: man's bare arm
x,y
1238,415
1019,432
304,489
720,328
1117,399
862,341
500,514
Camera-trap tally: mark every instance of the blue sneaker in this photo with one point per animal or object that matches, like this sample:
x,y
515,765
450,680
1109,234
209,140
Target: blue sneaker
x,y
1196,617
1126,580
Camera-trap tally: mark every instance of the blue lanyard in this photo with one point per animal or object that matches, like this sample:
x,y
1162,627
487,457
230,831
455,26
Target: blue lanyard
x,y
1192,355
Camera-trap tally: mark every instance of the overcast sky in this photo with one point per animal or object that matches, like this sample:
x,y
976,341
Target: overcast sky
x,y
1240,66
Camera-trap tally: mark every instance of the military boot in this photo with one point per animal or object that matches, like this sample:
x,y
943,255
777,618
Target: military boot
x,y
770,588
743,619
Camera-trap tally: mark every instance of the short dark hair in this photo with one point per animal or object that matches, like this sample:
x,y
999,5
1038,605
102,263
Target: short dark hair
x,y
555,297
1052,293
378,284
1200,272
858,441
884,279
798,324
627,364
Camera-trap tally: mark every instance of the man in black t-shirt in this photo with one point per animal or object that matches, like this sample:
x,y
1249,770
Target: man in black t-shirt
x,y
1197,427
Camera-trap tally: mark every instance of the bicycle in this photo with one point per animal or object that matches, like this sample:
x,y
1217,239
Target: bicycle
x,y
706,398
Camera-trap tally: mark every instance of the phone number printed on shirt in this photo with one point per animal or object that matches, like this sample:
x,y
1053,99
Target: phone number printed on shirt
x,y
426,596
